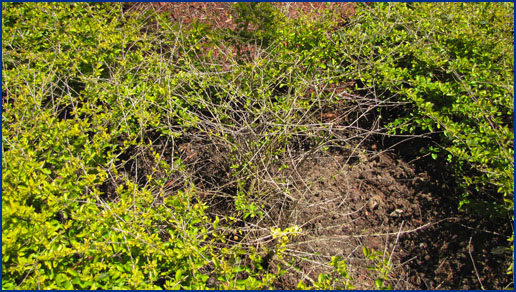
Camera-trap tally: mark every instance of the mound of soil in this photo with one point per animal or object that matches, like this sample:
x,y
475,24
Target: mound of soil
x,y
383,202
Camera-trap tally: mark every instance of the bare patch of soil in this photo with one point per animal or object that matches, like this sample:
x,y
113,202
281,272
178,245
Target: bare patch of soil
x,y
385,203
389,200
405,208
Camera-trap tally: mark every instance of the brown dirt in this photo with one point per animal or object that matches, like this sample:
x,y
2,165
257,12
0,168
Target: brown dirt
x,y
382,198
219,14
385,203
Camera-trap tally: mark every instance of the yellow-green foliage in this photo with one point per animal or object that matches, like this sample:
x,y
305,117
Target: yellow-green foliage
x,y
77,78
454,63
83,84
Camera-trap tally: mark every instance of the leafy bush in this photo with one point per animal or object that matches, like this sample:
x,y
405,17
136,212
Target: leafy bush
x,y
82,88
454,63
96,100
90,91
256,21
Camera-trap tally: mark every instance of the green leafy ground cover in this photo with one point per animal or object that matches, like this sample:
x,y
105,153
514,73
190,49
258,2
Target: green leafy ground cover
x,y
96,100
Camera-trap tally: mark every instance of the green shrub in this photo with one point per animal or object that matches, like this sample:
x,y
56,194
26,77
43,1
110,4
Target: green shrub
x,y
82,87
92,91
454,63
256,21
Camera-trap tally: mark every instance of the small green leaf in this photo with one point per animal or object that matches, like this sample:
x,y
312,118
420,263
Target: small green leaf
x,y
102,276
301,285
72,272
366,251
179,273
379,283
